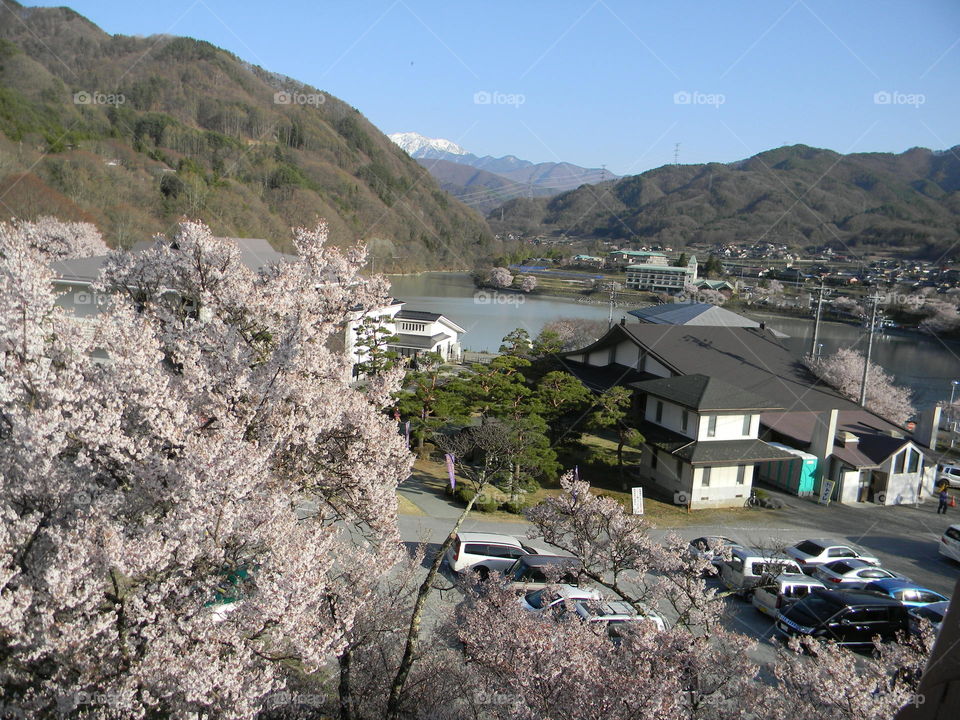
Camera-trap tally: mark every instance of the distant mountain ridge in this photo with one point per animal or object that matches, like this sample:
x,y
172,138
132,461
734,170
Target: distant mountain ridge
x,y
520,178
797,195
132,133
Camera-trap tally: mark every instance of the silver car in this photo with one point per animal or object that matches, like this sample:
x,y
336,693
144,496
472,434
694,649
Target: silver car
x,y
774,595
810,554
851,574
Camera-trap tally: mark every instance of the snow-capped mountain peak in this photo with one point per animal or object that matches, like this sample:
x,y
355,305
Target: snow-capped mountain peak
x,y
414,143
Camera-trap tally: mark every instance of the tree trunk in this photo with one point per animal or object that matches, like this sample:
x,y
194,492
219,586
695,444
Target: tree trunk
x,y
346,703
413,633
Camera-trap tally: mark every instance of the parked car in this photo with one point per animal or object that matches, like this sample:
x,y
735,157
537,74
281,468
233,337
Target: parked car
x,y
949,474
713,548
774,595
849,617
532,572
747,566
950,543
484,553
904,591
556,596
614,615
811,553
852,573
934,612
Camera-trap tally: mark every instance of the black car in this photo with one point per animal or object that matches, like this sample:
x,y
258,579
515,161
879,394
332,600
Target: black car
x,y
847,617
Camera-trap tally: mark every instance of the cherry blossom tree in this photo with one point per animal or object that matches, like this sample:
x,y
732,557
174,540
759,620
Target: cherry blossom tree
x,y
54,239
528,283
943,318
844,372
500,277
194,446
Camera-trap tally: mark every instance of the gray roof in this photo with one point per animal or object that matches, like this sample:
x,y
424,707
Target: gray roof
x,y
752,359
704,393
85,270
710,452
692,314
418,342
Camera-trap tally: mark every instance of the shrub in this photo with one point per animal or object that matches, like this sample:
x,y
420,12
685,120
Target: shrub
x,y
464,494
515,506
487,504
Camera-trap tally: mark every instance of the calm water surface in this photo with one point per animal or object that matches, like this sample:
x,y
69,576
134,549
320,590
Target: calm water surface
x,y
925,364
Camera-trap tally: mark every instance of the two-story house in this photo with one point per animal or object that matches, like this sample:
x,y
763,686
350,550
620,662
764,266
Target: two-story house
x,y
701,439
410,333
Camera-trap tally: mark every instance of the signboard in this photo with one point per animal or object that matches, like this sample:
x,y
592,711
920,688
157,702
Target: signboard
x,y
826,490
637,495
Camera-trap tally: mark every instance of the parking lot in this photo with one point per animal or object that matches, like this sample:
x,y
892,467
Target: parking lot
x,y
904,538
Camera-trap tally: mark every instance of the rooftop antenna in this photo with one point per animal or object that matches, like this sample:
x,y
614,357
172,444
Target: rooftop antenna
x,y
676,154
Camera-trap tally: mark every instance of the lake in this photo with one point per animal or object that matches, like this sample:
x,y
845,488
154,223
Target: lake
x,y
925,364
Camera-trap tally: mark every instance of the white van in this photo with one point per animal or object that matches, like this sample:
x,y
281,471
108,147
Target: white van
x,y
747,565
950,543
486,552
772,596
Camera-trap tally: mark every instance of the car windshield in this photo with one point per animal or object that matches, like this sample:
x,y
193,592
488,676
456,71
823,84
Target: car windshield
x,y
809,547
537,599
815,607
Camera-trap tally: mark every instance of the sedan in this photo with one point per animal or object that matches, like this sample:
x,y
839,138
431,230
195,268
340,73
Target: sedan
x,y
555,596
905,592
852,574
812,553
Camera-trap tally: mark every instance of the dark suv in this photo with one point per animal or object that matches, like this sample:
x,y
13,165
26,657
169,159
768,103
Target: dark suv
x,y
846,617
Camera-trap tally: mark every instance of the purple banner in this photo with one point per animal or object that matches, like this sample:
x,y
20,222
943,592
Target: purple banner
x,y
453,478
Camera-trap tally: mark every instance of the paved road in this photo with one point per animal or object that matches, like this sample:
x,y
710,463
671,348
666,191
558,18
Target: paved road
x,y
905,538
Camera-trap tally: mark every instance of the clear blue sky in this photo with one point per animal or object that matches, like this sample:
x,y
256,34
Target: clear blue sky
x,y
598,80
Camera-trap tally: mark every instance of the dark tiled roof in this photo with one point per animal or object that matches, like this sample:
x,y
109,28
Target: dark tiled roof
x,y
418,342
703,393
418,315
709,452
599,379
692,314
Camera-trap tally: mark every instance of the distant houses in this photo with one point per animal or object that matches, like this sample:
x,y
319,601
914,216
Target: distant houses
x,y
722,397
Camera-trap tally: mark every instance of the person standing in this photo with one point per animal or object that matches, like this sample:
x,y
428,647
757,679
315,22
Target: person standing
x,y
944,499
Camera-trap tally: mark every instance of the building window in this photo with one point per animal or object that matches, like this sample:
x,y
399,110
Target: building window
x,y
913,464
679,468
684,420
712,426
741,474
412,326
659,411
653,460
898,462
705,477
747,421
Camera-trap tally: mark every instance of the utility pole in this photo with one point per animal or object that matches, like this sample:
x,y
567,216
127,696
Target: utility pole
x,y
613,290
866,362
676,154
816,322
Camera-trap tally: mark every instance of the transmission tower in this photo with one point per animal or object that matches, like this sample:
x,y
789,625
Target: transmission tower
x,y
676,154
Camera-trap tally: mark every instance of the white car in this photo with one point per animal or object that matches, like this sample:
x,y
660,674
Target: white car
x,y
555,597
934,612
484,553
614,614
776,595
812,553
950,543
851,574
949,474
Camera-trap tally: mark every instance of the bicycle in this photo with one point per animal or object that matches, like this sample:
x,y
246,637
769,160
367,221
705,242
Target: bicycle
x,y
752,501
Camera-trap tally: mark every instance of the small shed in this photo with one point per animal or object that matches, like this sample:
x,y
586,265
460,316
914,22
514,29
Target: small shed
x,y
796,476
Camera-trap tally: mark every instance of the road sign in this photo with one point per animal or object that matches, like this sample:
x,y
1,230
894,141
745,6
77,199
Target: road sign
x,y
637,495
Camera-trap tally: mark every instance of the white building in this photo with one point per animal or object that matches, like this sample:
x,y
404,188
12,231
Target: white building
x,y
661,278
408,332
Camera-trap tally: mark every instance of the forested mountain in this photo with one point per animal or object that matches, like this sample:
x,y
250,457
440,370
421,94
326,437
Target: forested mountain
x,y
796,195
131,133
